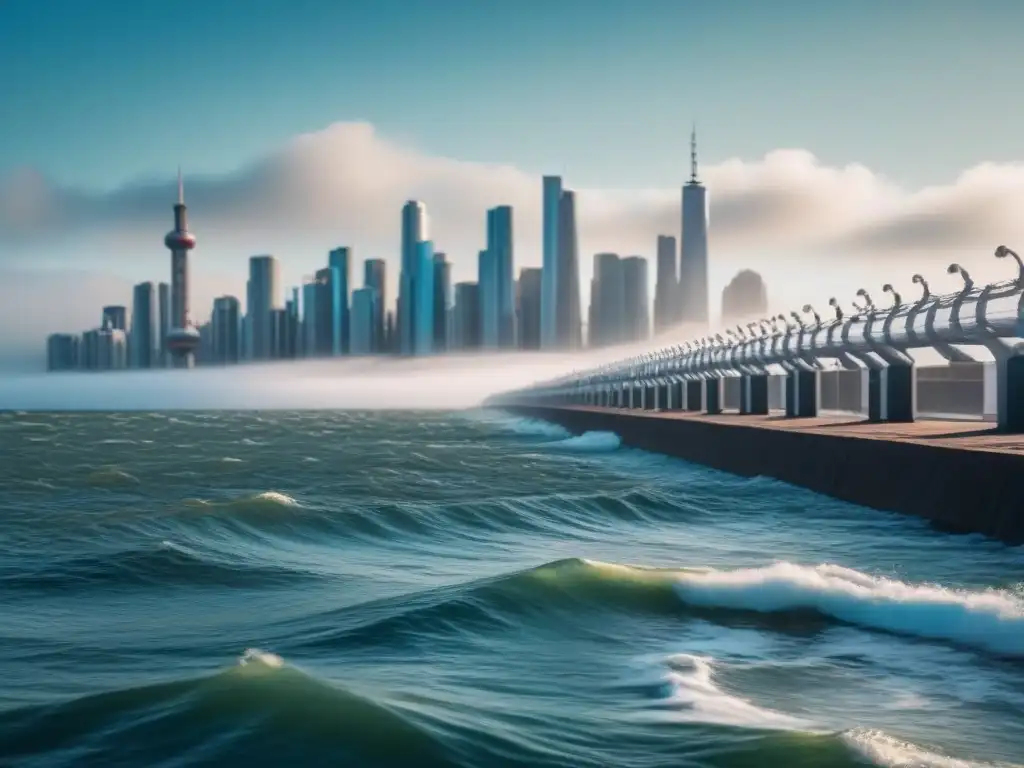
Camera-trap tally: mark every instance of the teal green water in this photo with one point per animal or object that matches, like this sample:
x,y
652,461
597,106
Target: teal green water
x,y
471,589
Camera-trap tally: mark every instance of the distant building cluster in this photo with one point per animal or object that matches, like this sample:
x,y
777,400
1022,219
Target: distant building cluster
x,y
328,316
744,297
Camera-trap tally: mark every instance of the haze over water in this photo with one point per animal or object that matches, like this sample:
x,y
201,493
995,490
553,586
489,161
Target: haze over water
x,y
442,588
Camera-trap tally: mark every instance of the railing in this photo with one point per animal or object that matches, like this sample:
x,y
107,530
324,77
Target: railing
x,y
871,338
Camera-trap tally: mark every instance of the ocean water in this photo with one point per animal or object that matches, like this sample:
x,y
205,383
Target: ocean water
x,y
471,589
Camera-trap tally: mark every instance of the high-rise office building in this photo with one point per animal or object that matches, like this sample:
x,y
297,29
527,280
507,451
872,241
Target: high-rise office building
x,y
106,349
164,296
607,301
500,247
278,333
61,352
293,324
636,313
415,229
390,331
144,344
466,316
309,318
182,338
745,296
364,314
666,289
487,296
375,276
528,307
552,204
424,302
340,260
262,296
442,301
226,322
326,308
115,317
568,282
693,264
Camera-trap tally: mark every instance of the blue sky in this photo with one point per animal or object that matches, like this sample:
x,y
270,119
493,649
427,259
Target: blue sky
x,y
96,94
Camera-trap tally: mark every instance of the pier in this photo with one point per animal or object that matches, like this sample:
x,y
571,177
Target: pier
x,y
836,405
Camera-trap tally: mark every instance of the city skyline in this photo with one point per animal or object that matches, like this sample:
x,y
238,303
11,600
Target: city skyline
x,y
324,318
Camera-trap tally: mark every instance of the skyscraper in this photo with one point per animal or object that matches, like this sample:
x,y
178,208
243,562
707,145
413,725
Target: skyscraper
x,y
325,311
309,318
608,301
666,290
552,203
568,282
442,301
500,246
164,293
423,308
262,296
61,352
340,260
528,310
115,317
693,265
182,337
414,232
745,296
364,314
636,313
144,340
226,330
466,333
487,277
375,276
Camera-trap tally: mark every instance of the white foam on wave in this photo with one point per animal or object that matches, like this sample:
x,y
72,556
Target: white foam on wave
x,y
276,497
889,752
693,695
992,620
531,427
256,657
589,442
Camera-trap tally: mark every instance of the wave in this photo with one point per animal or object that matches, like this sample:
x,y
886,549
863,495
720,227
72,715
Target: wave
x,y
521,425
110,477
887,751
588,442
259,703
990,621
168,563
265,502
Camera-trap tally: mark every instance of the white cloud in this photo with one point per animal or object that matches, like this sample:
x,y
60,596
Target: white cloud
x,y
808,228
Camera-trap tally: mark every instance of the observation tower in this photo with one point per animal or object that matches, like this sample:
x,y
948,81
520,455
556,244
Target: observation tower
x,y
182,337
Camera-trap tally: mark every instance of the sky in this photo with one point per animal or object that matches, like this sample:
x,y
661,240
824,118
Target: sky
x,y
842,144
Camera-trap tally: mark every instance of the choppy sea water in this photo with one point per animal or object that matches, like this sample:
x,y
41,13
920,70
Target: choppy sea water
x,y
471,589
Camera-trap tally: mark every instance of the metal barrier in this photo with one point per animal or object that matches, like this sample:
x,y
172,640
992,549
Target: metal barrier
x,y
871,345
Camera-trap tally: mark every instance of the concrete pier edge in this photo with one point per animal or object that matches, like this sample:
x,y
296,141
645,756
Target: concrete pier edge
x,y
958,490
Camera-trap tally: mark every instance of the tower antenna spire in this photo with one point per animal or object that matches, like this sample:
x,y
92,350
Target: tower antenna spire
x,y
181,188
693,155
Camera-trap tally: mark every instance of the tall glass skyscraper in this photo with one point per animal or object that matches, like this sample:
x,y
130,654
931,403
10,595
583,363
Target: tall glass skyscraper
x,y
143,342
500,245
666,291
634,280
568,285
364,314
423,306
375,276
226,324
414,233
262,296
552,191
340,261
487,269
164,300
693,265
442,301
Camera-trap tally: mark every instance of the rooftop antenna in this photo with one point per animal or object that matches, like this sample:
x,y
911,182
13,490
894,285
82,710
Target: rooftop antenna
x,y
181,188
693,155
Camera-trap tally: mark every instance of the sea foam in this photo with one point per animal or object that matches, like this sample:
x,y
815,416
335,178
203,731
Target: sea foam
x,y
589,442
992,620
